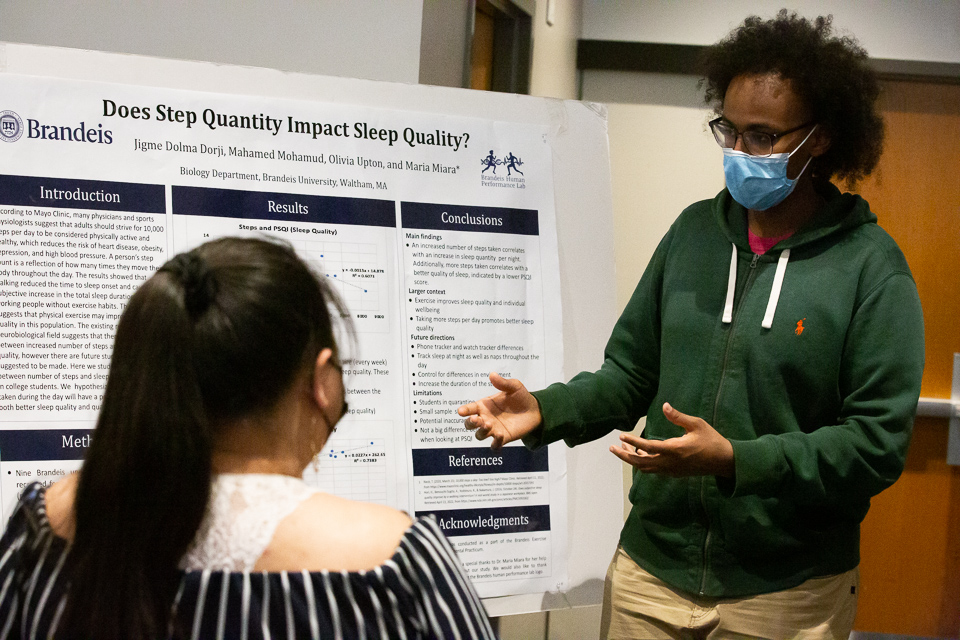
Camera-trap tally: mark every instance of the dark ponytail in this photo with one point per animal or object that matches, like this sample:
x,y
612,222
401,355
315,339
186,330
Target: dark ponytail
x,y
216,334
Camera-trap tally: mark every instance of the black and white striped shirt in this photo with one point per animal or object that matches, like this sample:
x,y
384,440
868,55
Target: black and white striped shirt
x,y
420,592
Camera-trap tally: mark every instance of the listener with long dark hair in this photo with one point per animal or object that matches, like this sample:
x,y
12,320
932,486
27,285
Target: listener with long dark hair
x,y
189,518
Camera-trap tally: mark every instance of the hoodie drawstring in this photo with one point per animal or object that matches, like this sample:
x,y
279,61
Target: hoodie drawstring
x,y
774,290
731,285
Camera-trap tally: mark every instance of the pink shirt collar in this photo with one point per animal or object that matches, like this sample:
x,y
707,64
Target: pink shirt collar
x,y
761,245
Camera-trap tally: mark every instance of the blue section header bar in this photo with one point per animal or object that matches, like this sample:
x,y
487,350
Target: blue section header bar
x,y
478,460
496,520
26,191
451,217
260,205
44,444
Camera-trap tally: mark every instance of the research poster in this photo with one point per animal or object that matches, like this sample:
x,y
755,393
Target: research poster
x,y
437,231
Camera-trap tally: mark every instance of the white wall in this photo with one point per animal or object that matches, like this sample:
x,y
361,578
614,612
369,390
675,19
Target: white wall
x,y
662,159
927,30
372,39
553,73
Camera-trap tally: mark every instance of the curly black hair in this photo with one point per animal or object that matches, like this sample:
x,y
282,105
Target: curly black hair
x,y
829,73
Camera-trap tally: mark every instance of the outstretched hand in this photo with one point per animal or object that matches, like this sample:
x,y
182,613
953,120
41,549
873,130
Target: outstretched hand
x,y
506,416
701,451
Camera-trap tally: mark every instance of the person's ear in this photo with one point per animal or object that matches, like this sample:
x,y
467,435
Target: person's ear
x,y
322,385
819,142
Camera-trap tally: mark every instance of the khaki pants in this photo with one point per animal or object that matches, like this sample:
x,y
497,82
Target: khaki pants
x,y
636,606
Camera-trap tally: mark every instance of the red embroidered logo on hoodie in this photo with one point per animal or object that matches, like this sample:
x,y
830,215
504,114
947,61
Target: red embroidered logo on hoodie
x,y
800,326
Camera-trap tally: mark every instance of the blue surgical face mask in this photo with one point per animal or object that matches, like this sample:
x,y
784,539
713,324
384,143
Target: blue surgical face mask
x,y
760,182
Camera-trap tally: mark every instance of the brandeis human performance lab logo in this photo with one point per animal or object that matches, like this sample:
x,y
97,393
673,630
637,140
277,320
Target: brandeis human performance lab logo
x,y
514,178
11,126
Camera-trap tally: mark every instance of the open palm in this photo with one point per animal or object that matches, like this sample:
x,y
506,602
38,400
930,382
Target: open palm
x,y
508,415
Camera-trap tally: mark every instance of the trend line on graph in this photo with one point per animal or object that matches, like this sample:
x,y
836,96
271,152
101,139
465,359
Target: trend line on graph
x,y
333,454
349,284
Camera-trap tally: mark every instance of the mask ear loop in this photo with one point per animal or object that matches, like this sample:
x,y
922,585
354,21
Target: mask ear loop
x,y
330,424
789,155
802,170
315,461
804,141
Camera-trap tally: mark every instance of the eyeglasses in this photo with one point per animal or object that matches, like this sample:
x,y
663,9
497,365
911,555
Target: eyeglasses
x,y
756,143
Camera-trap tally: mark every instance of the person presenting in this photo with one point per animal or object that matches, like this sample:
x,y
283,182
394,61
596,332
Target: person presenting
x,y
189,517
775,346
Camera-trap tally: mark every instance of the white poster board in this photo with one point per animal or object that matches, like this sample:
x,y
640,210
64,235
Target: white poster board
x,y
433,213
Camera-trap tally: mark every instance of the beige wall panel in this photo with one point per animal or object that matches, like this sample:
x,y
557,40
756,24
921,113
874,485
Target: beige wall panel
x,y
553,72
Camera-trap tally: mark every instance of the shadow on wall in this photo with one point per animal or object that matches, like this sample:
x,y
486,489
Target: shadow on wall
x,y
631,87
590,591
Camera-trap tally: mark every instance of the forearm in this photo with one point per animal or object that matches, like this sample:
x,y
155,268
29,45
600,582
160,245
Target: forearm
x,y
590,406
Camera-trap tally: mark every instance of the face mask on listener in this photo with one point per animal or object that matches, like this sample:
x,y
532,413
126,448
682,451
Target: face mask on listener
x,y
760,182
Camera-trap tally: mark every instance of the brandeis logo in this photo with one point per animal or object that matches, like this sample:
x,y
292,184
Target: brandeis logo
x,y
11,126
11,129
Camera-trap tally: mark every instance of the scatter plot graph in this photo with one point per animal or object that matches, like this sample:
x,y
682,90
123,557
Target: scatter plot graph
x,y
352,468
353,269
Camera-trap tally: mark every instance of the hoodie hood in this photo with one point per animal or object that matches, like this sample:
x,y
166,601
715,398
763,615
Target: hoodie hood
x,y
841,211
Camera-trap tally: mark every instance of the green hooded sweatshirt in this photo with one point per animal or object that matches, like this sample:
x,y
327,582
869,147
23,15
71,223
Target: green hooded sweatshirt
x,y
818,400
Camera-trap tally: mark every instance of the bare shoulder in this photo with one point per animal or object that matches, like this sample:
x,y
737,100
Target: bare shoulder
x,y
59,499
328,532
